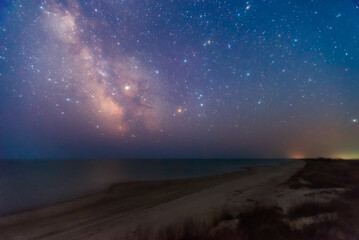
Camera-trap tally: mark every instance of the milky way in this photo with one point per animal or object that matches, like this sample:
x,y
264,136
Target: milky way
x,y
114,92
122,79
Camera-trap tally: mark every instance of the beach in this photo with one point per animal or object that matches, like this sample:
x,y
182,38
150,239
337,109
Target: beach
x,y
122,210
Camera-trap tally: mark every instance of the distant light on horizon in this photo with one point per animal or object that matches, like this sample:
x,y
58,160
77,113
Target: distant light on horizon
x,y
297,156
348,156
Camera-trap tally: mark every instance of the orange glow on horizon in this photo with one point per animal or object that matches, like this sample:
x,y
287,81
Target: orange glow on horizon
x,y
297,156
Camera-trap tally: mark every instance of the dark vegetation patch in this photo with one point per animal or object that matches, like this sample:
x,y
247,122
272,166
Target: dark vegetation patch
x,y
326,173
263,223
185,231
308,209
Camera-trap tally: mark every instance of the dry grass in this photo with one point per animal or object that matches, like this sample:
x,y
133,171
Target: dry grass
x,y
187,230
226,213
263,223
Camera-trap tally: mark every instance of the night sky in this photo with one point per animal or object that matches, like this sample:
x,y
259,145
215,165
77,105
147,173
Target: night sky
x,y
179,79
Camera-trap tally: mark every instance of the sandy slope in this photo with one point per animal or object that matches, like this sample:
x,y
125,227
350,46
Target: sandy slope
x,y
123,208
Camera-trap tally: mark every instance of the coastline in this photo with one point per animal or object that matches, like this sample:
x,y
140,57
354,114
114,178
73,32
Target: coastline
x,y
47,182
123,208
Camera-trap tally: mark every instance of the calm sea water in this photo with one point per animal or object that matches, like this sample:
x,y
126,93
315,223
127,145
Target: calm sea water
x,y
26,184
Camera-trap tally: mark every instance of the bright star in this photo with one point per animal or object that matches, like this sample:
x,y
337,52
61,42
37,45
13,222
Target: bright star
x,y
207,43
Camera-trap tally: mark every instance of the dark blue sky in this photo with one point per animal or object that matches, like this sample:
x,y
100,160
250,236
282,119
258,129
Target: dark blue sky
x,y
122,79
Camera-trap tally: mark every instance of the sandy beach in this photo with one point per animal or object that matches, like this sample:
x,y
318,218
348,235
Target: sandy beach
x,y
123,209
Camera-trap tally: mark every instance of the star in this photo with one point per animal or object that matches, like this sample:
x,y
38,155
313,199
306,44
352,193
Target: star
x,y
145,67
207,43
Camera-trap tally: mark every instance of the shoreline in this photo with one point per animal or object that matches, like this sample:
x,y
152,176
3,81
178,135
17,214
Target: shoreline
x,y
91,193
111,172
118,209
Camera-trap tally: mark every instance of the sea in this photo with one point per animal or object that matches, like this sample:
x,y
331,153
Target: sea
x,y
28,184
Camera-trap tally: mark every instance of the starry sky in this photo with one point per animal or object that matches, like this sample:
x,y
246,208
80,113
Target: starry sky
x,y
179,78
